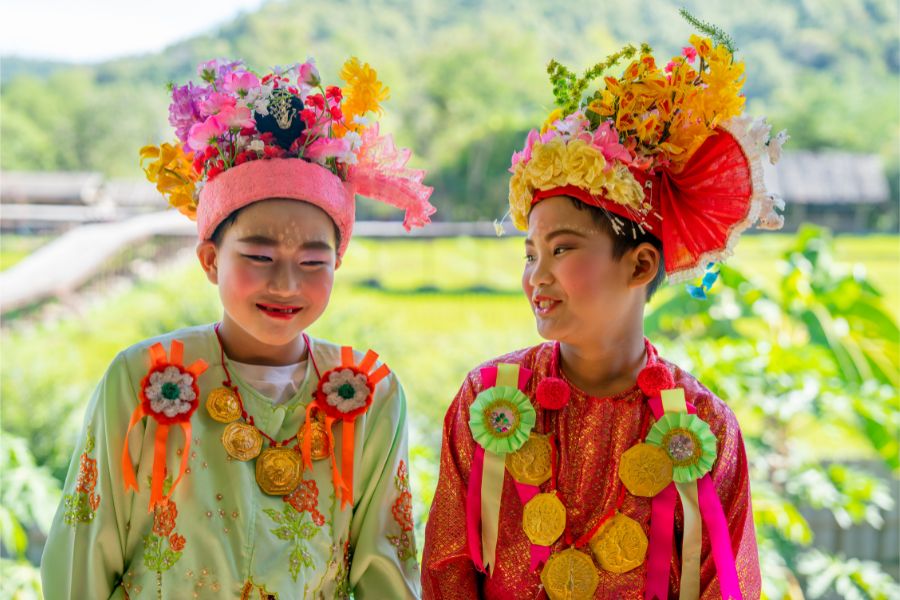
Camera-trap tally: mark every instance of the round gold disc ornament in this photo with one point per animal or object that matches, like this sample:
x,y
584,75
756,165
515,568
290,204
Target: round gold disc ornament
x,y
645,470
223,405
530,464
570,575
242,441
279,471
544,519
620,545
319,440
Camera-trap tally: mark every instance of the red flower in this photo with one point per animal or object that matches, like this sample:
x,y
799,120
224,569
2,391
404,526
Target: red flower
x,y
308,116
336,113
212,172
316,101
333,92
176,542
164,516
267,138
553,393
244,156
248,131
294,90
274,152
402,510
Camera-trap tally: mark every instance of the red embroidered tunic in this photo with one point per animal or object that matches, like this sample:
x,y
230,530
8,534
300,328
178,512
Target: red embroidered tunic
x,y
593,433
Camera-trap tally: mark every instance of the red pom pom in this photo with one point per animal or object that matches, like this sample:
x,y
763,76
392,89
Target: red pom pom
x,y
655,378
553,393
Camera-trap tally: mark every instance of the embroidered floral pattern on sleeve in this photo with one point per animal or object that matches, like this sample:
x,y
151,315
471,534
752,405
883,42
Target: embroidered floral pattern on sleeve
x,y
295,527
405,542
81,506
163,545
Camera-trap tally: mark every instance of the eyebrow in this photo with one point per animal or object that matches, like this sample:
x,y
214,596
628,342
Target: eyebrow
x,y
557,233
262,240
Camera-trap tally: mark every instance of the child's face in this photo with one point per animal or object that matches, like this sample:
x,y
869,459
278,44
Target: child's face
x,y
275,269
578,291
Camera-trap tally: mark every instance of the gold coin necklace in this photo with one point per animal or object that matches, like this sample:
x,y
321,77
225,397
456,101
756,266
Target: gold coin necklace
x,y
616,542
279,466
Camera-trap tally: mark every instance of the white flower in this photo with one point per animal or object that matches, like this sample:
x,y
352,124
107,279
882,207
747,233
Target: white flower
x,y
170,392
775,144
361,120
346,390
258,98
257,146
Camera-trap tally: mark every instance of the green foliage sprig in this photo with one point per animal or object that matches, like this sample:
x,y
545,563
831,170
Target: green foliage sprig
x,y
568,90
718,35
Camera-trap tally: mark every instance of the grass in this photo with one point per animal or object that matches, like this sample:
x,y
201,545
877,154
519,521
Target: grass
x,y
15,247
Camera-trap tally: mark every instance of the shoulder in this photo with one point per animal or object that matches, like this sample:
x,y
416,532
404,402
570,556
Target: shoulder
x,y
198,342
388,391
710,408
528,358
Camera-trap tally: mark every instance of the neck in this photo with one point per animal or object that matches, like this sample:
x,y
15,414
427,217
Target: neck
x,y
242,347
604,367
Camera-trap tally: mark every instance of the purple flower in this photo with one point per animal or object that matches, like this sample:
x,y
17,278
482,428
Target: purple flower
x,y
184,110
214,71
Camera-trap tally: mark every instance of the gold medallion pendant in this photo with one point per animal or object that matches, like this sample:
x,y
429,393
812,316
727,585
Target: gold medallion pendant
x,y
223,405
530,464
278,471
544,519
645,470
319,438
570,575
242,441
620,545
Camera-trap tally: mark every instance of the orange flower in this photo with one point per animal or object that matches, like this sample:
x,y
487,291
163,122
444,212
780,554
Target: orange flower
x,y
164,516
87,475
402,510
176,542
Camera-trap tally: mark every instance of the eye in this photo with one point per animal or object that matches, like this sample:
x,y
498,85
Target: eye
x,y
559,250
529,258
312,263
257,258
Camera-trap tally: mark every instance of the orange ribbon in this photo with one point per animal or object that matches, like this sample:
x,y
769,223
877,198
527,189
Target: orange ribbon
x,y
342,479
159,362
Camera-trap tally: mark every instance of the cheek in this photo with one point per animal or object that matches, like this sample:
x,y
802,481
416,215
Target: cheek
x,y
585,277
238,279
526,284
318,285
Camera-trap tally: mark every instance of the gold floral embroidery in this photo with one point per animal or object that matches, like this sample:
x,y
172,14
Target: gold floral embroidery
x,y
405,542
81,506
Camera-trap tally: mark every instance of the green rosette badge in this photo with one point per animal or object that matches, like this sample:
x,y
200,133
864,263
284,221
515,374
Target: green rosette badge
x,y
688,441
501,419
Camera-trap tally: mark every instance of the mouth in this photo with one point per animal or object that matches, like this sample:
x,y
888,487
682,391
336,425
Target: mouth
x,y
282,312
544,305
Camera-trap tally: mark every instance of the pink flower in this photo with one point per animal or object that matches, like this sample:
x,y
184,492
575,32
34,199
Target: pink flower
x,y
606,139
240,82
524,155
308,76
689,53
325,148
236,118
205,134
215,102
671,66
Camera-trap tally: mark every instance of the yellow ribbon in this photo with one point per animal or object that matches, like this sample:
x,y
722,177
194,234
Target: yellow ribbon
x,y
492,481
673,401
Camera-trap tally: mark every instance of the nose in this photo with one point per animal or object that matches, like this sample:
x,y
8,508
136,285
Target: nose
x,y
538,273
283,280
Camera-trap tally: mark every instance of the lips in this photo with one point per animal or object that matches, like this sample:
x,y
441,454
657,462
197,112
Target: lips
x,y
544,305
284,312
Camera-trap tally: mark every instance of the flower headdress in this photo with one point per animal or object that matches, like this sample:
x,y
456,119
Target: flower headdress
x,y
243,138
665,149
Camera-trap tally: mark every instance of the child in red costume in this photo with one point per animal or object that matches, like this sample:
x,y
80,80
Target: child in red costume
x,y
588,466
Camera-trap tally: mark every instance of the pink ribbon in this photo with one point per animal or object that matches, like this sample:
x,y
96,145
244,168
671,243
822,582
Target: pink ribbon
x,y
662,523
539,554
719,538
473,508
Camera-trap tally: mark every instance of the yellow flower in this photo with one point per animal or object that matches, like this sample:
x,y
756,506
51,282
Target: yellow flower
x,y
173,173
622,188
703,45
552,118
584,166
520,196
363,94
547,163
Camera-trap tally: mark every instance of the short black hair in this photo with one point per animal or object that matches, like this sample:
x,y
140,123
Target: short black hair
x,y
625,241
221,228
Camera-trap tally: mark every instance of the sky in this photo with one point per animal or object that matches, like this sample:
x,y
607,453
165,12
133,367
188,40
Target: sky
x,y
95,30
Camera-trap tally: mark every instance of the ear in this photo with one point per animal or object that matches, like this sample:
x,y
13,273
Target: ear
x,y
208,255
645,260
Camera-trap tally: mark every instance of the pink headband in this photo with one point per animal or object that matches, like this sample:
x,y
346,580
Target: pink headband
x,y
291,178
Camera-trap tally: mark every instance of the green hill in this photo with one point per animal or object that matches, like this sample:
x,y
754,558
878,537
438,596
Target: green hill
x,y
467,78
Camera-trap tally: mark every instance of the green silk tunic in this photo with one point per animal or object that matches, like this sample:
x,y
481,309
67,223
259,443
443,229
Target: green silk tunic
x,y
221,536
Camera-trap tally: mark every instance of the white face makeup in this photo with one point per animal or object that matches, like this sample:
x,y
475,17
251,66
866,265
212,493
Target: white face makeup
x,y
570,277
275,269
